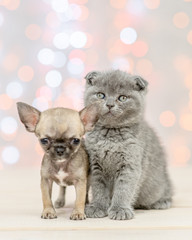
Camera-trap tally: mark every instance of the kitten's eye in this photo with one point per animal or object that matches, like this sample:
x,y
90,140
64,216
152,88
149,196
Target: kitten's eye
x,y
101,95
44,141
75,141
122,98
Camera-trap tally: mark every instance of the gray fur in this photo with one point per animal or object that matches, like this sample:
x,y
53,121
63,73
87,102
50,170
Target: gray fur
x,y
127,161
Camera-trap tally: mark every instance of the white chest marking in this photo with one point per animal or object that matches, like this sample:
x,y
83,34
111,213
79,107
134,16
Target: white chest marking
x,y
61,175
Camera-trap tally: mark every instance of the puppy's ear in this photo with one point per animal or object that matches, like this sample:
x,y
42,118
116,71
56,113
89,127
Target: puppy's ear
x,y
89,116
140,83
29,116
91,76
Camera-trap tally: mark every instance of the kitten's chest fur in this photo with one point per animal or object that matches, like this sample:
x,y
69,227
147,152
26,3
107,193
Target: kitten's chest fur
x,y
106,147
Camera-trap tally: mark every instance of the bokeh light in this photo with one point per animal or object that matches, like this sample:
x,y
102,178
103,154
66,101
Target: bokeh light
x,y
167,119
10,4
8,125
74,12
181,20
190,105
33,31
72,87
75,66
139,49
152,4
122,20
44,92
26,73
47,37
10,155
46,56
135,7
118,48
89,41
84,13
53,78
41,103
59,59
66,102
52,20
189,37
188,80
60,6
10,62
128,35
186,121
118,4
80,1
77,53
181,155
14,89
78,39
5,102
190,94
183,63
61,40
121,63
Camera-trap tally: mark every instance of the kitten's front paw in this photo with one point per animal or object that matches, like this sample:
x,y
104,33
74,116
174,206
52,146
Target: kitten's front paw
x,y
118,213
162,204
48,213
95,211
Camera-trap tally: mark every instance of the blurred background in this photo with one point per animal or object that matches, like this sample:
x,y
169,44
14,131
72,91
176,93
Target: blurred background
x,y
48,46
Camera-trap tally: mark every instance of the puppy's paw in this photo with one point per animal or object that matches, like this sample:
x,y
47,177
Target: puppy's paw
x,y
95,211
48,213
59,203
76,215
118,213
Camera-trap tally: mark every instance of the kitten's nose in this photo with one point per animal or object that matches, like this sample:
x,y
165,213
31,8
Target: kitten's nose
x,y
110,103
110,106
60,150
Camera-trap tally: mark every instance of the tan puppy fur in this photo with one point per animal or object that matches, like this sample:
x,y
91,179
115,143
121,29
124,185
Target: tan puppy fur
x,y
60,132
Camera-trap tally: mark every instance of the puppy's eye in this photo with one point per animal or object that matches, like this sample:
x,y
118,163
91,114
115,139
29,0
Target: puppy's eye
x,y
44,141
122,98
75,141
100,95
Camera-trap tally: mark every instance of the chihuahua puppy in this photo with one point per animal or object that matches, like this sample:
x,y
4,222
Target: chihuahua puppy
x,y
60,132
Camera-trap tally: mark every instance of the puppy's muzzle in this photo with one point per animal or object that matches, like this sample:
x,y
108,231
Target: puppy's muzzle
x,y
60,150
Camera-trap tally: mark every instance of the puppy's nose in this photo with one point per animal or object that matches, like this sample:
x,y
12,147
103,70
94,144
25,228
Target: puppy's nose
x,y
60,150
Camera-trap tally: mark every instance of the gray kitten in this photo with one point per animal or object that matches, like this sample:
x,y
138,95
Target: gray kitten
x,y
127,161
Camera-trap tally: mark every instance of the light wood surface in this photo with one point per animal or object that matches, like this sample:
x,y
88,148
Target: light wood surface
x,y
21,207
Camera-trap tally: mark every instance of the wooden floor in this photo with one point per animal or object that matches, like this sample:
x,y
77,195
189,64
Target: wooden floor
x,y
21,206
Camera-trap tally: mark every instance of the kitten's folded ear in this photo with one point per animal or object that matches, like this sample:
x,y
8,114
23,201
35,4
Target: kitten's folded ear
x,y
29,116
140,83
89,116
91,76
